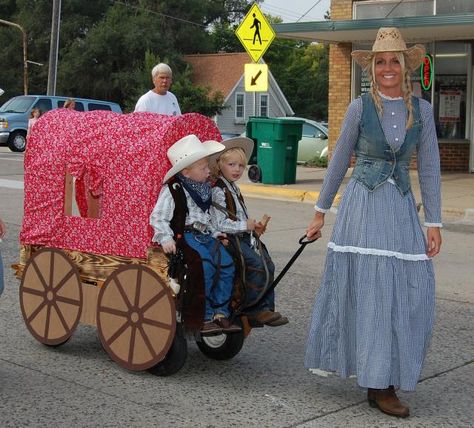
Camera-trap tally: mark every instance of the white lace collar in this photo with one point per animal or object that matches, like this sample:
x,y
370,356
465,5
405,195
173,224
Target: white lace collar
x,y
386,97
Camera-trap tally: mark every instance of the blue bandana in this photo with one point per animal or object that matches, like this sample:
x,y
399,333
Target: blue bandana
x,y
199,191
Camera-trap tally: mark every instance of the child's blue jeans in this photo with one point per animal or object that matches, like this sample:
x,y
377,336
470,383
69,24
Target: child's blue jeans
x,y
213,254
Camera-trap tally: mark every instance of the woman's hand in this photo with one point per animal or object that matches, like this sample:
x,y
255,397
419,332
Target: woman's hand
x,y
433,235
169,247
313,231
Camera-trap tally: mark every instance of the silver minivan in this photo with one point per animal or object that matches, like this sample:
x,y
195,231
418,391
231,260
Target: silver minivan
x,y
14,115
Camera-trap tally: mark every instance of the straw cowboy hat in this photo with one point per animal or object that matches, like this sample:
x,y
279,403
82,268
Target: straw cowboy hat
x,y
244,143
389,39
188,150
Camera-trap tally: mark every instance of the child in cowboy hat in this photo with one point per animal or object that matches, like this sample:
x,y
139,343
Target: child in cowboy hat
x,y
190,170
229,214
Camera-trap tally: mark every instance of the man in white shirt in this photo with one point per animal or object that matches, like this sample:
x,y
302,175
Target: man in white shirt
x,y
159,99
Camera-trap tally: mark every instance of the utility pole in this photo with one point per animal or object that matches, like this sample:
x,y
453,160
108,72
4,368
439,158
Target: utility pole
x,y
53,48
25,53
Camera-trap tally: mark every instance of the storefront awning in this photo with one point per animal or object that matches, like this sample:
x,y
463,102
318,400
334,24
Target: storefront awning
x,y
414,29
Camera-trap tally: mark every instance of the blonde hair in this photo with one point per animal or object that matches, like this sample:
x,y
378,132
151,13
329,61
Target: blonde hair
x,y
406,88
226,154
69,103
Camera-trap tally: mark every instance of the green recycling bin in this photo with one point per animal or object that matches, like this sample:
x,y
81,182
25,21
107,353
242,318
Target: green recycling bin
x,y
276,142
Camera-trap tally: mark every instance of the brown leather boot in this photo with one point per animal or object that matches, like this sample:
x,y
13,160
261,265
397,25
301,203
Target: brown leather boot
x,y
387,401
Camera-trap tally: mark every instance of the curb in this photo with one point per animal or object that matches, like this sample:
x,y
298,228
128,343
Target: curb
x,y
449,214
279,193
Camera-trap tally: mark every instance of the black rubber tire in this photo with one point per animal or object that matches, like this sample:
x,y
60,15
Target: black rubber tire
x,y
176,356
255,174
17,141
221,347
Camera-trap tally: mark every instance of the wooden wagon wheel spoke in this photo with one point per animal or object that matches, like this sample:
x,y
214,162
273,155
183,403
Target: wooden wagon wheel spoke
x,y
155,299
136,341
63,281
33,291
118,333
139,285
132,345
122,293
37,311
67,300
146,339
40,275
61,317
51,280
48,320
157,323
113,311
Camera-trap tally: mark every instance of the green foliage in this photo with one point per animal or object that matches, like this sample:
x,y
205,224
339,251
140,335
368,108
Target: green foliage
x,y
108,48
317,162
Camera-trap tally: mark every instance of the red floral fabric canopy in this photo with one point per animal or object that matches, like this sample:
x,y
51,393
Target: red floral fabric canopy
x,y
119,158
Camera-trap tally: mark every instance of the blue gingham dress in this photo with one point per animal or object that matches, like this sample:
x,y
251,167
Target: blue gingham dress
x,y
374,311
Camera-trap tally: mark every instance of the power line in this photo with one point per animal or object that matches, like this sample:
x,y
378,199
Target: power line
x,y
309,10
158,13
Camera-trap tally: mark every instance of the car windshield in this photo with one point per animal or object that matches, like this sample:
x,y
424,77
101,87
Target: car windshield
x,y
17,105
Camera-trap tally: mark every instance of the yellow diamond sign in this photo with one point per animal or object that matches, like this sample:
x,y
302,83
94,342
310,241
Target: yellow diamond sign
x,y
255,33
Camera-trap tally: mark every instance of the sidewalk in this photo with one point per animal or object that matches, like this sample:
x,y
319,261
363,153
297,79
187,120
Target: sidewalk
x,y
457,190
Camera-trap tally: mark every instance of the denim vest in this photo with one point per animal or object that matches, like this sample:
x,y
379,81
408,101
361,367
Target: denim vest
x,y
376,160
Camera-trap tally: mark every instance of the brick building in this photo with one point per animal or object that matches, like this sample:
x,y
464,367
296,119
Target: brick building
x,y
445,27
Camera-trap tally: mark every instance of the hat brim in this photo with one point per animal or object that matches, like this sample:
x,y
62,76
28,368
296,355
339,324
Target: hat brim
x,y
209,148
413,57
244,143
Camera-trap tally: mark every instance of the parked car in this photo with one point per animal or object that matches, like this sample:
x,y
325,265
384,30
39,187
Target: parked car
x,y
14,115
314,142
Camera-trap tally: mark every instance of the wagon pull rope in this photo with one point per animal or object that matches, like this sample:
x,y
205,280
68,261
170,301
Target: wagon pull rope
x,y
303,242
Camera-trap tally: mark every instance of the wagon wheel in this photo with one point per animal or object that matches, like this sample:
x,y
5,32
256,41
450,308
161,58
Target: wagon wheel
x,y
136,317
51,296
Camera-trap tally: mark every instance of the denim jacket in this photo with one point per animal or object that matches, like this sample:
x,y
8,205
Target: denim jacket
x,y
376,160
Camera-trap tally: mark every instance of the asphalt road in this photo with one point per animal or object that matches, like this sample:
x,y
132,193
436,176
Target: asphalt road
x,y
265,385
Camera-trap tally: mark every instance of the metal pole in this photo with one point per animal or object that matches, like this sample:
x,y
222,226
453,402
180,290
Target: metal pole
x,y
25,53
53,48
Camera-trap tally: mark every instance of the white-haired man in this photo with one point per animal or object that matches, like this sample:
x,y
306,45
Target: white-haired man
x,y
159,99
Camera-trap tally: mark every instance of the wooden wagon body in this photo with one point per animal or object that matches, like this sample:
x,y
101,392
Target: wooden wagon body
x,y
91,181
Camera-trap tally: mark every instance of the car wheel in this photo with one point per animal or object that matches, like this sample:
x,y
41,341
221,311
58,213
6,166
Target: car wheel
x,y
255,174
17,141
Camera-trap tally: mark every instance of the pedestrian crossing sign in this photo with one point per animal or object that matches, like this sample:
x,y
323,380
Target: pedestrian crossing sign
x,y
256,77
255,33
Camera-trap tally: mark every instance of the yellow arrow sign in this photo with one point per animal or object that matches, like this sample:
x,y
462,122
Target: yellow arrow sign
x,y
255,33
256,77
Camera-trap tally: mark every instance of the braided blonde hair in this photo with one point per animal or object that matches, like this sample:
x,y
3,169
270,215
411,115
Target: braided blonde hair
x,y
407,89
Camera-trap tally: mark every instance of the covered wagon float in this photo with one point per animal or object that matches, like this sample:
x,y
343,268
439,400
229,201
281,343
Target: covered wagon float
x,y
91,182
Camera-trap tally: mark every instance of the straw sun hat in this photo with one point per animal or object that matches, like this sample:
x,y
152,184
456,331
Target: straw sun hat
x,y
188,150
389,39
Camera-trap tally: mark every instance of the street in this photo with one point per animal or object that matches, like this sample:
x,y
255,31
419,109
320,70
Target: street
x,y
265,385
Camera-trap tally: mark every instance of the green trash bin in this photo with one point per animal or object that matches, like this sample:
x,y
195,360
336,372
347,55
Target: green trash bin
x,y
276,142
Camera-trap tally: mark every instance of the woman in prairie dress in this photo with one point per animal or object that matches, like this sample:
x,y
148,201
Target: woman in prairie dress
x,y
374,312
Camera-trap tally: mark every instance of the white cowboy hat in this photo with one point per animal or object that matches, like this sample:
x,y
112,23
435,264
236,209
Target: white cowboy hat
x,y
188,150
244,143
389,39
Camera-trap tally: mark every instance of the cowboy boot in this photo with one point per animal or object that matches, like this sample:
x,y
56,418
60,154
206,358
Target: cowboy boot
x,y
387,401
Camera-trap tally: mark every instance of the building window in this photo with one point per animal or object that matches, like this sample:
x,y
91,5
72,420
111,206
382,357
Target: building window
x,y
264,105
451,63
451,7
240,105
392,8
